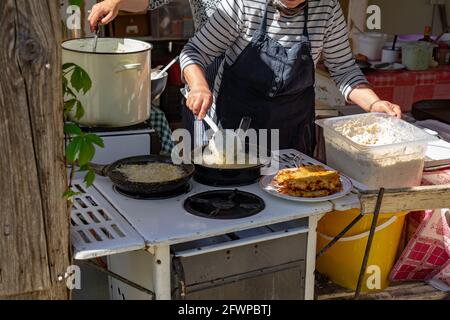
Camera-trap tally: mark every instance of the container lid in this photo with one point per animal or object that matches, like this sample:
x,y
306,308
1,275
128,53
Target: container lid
x,y
371,131
107,46
373,35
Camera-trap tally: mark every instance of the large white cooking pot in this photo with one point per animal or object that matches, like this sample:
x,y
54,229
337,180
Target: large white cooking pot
x,y
120,73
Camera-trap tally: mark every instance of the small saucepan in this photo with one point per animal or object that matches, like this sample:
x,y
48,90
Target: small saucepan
x,y
150,188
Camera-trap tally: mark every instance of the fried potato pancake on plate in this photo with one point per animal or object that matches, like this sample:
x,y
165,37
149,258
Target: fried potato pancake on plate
x,y
308,181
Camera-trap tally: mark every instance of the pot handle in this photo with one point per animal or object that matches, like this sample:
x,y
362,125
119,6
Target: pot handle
x,y
130,66
99,169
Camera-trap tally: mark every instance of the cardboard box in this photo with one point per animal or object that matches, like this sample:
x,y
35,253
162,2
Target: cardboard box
x,y
132,25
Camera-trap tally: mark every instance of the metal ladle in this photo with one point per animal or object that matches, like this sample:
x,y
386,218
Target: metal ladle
x,y
94,49
171,63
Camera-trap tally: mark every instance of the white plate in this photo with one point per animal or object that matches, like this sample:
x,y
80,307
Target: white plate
x,y
266,184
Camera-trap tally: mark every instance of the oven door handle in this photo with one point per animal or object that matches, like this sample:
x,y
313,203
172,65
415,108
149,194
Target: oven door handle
x,y
241,242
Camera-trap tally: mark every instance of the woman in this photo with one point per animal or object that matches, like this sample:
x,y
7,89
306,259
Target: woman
x,y
268,72
105,11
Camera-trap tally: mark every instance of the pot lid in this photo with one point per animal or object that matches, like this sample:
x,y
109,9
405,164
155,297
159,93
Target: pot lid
x,y
107,46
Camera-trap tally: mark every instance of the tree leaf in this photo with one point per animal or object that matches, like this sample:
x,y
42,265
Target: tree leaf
x,y
84,168
80,80
79,113
76,79
69,194
65,84
76,2
68,65
72,129
95,139
87,152
69,104
73,149
89,178
69,92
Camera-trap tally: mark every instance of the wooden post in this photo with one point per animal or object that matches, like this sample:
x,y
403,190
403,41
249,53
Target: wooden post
x,y
34,218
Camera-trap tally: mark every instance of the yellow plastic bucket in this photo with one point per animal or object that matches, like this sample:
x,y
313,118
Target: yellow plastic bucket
x,y
342,262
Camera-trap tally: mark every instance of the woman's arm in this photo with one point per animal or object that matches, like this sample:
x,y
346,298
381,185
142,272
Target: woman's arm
x,y
210,42
367,99
105,11
200,97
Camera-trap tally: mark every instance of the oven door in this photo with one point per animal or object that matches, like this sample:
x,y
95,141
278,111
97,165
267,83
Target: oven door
x,y
265,264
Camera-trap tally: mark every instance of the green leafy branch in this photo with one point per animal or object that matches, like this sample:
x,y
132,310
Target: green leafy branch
x,y
80,149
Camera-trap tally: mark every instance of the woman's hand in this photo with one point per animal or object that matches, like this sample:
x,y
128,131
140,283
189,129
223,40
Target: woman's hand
x,y
367,99
104,12
386,107
199,100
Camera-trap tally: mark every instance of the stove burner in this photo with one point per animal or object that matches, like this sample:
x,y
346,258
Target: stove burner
x,y
155,196
224,204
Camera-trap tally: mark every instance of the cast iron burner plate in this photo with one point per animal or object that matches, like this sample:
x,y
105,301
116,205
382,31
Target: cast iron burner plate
x,y
155,196
224,204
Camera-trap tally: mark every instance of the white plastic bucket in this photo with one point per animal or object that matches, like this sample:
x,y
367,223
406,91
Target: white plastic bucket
x,y
371,44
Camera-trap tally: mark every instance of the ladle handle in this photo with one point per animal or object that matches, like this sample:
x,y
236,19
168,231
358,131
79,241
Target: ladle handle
x,y
211,123
171,63
207,118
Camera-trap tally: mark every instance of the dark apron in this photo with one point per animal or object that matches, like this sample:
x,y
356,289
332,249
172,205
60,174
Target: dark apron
x,y
275,87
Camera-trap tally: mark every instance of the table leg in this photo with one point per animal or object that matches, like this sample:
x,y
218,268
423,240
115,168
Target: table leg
x,y
311,257
369,243
161,272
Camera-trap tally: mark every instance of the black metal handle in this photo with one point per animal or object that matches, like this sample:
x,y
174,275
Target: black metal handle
x,y
100,169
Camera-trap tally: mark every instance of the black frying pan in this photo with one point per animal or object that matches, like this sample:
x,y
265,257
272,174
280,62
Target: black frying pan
x,y
139,187
226,176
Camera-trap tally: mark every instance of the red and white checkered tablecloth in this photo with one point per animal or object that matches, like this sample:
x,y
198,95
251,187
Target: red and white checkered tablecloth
x,y
407,87
427,255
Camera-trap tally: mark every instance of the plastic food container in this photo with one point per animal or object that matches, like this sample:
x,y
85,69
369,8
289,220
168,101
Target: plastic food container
x,y
376,149
417,56
371,44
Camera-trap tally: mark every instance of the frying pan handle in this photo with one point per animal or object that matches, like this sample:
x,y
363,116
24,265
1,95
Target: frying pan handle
x,y
99,169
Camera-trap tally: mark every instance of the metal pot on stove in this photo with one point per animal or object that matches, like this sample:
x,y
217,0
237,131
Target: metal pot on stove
x,y
120,71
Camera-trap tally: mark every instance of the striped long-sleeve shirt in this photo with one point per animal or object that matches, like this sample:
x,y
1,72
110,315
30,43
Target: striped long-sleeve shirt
x,y
230,29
